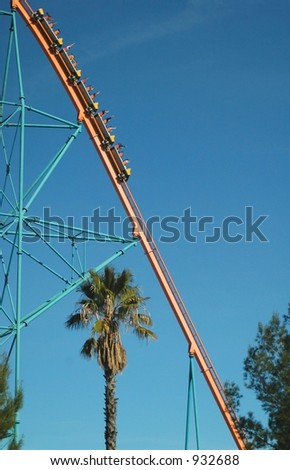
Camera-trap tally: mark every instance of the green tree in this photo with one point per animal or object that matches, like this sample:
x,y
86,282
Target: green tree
x,y
110,301
267,373
8,407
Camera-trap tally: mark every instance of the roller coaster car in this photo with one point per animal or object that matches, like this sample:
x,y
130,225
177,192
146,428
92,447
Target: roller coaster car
x,y
92,106
37,15
74,77
56,46
124,175
57,43
91,110
108,142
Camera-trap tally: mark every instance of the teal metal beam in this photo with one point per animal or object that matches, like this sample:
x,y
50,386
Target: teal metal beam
x,y
20,229
43,177
7,61
77,233
191,398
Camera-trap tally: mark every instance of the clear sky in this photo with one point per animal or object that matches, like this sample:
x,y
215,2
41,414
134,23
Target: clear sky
x,y
199,91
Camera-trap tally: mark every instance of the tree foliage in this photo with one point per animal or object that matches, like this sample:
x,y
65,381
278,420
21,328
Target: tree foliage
x,y
267,373
8,407
109,302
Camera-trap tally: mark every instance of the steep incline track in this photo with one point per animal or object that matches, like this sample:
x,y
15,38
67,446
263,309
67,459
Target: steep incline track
x,y
64,64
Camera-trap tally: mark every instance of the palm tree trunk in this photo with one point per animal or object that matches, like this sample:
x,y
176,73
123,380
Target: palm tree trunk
x,y
110,410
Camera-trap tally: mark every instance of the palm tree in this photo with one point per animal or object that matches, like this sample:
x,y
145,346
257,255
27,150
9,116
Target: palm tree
x,y
109,302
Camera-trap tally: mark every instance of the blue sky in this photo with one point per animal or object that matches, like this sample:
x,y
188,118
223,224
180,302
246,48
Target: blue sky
x,y
200,96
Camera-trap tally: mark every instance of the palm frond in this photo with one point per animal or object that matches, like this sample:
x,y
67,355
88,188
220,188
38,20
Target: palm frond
x,y
143,318
98,289
89,306
100,327
135,319
89,348
123,281
86,289
95,281
75,321
109,278
130,302
144,333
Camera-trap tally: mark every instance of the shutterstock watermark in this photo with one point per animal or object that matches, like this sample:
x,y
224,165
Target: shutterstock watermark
x,y
168,229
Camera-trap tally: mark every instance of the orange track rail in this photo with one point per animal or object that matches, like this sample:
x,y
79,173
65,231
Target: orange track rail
x,y
97,132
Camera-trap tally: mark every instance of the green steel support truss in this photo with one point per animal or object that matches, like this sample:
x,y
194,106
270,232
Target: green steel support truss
x,y
21,234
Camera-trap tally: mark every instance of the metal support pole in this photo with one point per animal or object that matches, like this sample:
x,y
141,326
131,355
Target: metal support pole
x,y
20,215
191,396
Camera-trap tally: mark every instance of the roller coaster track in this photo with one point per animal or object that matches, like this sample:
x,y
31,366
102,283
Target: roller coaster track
x,y
94,121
